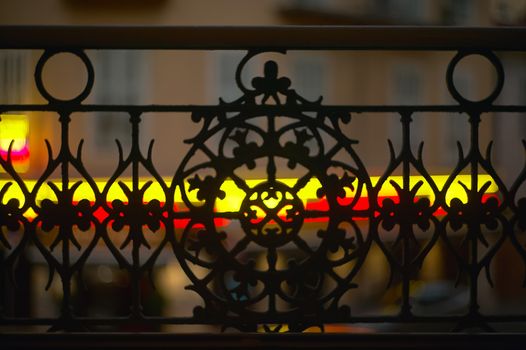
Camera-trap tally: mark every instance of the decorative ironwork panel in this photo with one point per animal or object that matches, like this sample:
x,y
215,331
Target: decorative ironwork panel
x,y
268,269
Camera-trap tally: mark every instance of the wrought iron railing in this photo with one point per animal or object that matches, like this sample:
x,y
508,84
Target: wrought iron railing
x,y
237,293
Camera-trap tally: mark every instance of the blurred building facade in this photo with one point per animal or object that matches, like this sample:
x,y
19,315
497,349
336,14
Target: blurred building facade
x,y
203,77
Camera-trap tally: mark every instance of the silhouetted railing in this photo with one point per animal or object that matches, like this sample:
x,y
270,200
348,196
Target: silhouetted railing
x,y
241,274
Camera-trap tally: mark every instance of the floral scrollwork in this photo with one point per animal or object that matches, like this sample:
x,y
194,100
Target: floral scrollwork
x,y
409,209
475,210
135,213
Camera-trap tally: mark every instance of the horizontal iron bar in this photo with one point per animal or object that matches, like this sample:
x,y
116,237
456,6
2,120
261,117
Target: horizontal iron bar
x,y
263,320
266,38
263,341
263,109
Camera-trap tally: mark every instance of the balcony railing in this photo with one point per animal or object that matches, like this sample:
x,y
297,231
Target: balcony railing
x,y
268,252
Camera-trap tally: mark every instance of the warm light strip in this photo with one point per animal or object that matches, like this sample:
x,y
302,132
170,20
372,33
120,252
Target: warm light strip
x,y
14,130
18,152
19,145
234,195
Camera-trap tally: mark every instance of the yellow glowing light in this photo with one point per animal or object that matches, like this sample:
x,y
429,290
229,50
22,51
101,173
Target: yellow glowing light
x,y
455,190
14,129
235,196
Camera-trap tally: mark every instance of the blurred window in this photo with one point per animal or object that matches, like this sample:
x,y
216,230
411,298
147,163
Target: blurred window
x,y
407,90
120,79
457,12
226,65
13,76
400,10
309,77
456,125
14,128
407,9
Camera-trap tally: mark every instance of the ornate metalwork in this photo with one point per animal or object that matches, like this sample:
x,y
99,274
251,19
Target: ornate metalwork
x,y
273,127
271,214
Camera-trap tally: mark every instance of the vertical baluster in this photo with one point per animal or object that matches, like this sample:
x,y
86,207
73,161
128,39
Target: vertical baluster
x,y
406,226
474,226
135,225
65,229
